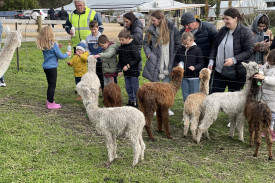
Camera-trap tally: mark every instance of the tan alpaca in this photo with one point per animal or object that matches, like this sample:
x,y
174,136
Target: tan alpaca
x,y
13,41
159,97
192,111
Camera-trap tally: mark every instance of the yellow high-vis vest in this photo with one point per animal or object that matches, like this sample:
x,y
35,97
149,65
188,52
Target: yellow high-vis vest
x,y
81,24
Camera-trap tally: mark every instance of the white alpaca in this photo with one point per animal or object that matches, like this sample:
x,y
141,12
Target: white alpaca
x,y
192,111
90,78
13,41
115,121
231,103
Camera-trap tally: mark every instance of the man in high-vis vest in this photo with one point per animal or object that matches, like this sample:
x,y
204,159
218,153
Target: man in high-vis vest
x,y
80,19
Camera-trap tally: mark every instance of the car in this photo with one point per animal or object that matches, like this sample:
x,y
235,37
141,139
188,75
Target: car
x,y
19,14
137,14
39,12
27,14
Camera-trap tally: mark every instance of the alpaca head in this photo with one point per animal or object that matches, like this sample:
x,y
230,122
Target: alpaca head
x,y
251,68
177,73
89,96
14,38
92,64
205,74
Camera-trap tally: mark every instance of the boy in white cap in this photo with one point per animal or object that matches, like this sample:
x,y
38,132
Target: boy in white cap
x,y
79,63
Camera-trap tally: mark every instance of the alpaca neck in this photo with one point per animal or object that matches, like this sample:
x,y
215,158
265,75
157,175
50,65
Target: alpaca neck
x,y
247,86
204,86
92,68
175,85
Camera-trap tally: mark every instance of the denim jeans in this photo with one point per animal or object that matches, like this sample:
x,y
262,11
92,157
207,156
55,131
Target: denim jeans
x,y
189,86
132,86
77,80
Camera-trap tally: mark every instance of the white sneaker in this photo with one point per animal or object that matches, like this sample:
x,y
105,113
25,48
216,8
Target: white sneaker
x,y
228,125
3,84
170,113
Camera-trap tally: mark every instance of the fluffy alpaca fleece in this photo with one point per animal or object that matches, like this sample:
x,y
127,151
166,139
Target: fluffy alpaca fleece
x,y
113,122
258,116
13,41
159,97
112,95
192,112
89,79
232,103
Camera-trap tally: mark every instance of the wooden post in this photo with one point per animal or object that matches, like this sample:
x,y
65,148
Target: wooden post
x,y
17,51
39,23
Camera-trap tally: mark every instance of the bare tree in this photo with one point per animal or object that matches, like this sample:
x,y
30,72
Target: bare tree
x,y
230,3
218,8
206,9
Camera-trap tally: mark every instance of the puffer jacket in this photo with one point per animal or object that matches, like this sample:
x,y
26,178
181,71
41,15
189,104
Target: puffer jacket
x,y
204,38
259,49
109,59
242,44
268,87
151,69
79,63
137,34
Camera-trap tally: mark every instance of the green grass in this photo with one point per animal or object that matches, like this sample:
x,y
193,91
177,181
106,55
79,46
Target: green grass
x,y
38,145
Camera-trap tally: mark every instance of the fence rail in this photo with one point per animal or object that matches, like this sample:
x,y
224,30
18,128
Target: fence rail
x,y
30,31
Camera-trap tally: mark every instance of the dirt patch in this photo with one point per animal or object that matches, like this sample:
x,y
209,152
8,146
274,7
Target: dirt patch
x,y
111,30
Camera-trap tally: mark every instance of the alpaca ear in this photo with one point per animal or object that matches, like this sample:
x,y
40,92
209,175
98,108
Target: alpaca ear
x,y
245,64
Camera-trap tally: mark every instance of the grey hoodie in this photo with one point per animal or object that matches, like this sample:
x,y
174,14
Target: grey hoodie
x,y
258,37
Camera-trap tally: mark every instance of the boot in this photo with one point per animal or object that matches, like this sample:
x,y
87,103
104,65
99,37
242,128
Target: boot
x,y
130,103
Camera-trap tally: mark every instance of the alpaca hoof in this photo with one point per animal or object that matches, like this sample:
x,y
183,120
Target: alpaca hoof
x,y
270,158
169,137
255,155
160,131
153,139
250,145
107,164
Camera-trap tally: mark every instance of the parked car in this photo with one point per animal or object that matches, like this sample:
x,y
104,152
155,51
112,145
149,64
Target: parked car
x,y
120,17
27,14
19,14
41,12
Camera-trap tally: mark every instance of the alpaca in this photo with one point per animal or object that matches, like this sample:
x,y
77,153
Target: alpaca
x,y
113,122
159,97
192,107
232,103
13,41
112,95
258,116
90,78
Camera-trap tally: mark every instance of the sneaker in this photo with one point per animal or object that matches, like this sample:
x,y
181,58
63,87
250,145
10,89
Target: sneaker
x,y
53,105
273,136
130,104
263,135
228,125
3,84
155,113
171,113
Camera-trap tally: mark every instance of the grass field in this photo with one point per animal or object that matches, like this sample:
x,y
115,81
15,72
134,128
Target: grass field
x,y
39,145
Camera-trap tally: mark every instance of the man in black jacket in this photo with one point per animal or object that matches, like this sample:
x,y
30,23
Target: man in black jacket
x,y
62,14
203,32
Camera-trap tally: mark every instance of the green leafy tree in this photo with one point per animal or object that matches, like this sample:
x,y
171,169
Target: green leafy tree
x,y
18,5
218,8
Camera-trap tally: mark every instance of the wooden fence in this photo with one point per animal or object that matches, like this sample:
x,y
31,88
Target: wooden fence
x,y
31,28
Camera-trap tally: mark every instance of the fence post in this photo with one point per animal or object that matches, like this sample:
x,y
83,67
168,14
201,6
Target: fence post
x,y
39,23
17,51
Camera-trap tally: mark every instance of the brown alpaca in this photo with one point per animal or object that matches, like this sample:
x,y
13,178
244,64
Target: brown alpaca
x,y
159,97
258,116
112,95
193,105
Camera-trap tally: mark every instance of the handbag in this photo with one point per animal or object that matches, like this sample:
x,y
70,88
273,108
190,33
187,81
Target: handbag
x,y
229,72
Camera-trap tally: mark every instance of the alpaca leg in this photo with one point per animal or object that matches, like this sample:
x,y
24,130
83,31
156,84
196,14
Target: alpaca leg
x,y
194,124
136,149
114,146
258,141
148,126
210,116
240,125
232,121
186,124
142,145
110,146
165,121
251,134
159,119
269,142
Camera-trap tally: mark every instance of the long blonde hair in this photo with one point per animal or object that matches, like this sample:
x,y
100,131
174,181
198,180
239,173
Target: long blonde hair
x,y
164,33
46,38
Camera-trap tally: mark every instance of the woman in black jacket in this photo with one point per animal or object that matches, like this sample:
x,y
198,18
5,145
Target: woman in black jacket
x,y
135,26
233,45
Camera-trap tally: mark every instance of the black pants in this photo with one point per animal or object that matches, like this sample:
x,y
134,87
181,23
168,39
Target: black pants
x,y
220,83
51,75
99,73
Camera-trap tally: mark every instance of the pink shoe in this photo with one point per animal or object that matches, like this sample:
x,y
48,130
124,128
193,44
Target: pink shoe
x,y
273,135
53,105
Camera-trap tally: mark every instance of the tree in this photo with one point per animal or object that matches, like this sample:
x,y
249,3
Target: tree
x,y
206,9
230,3
218,8
53,3
18,5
